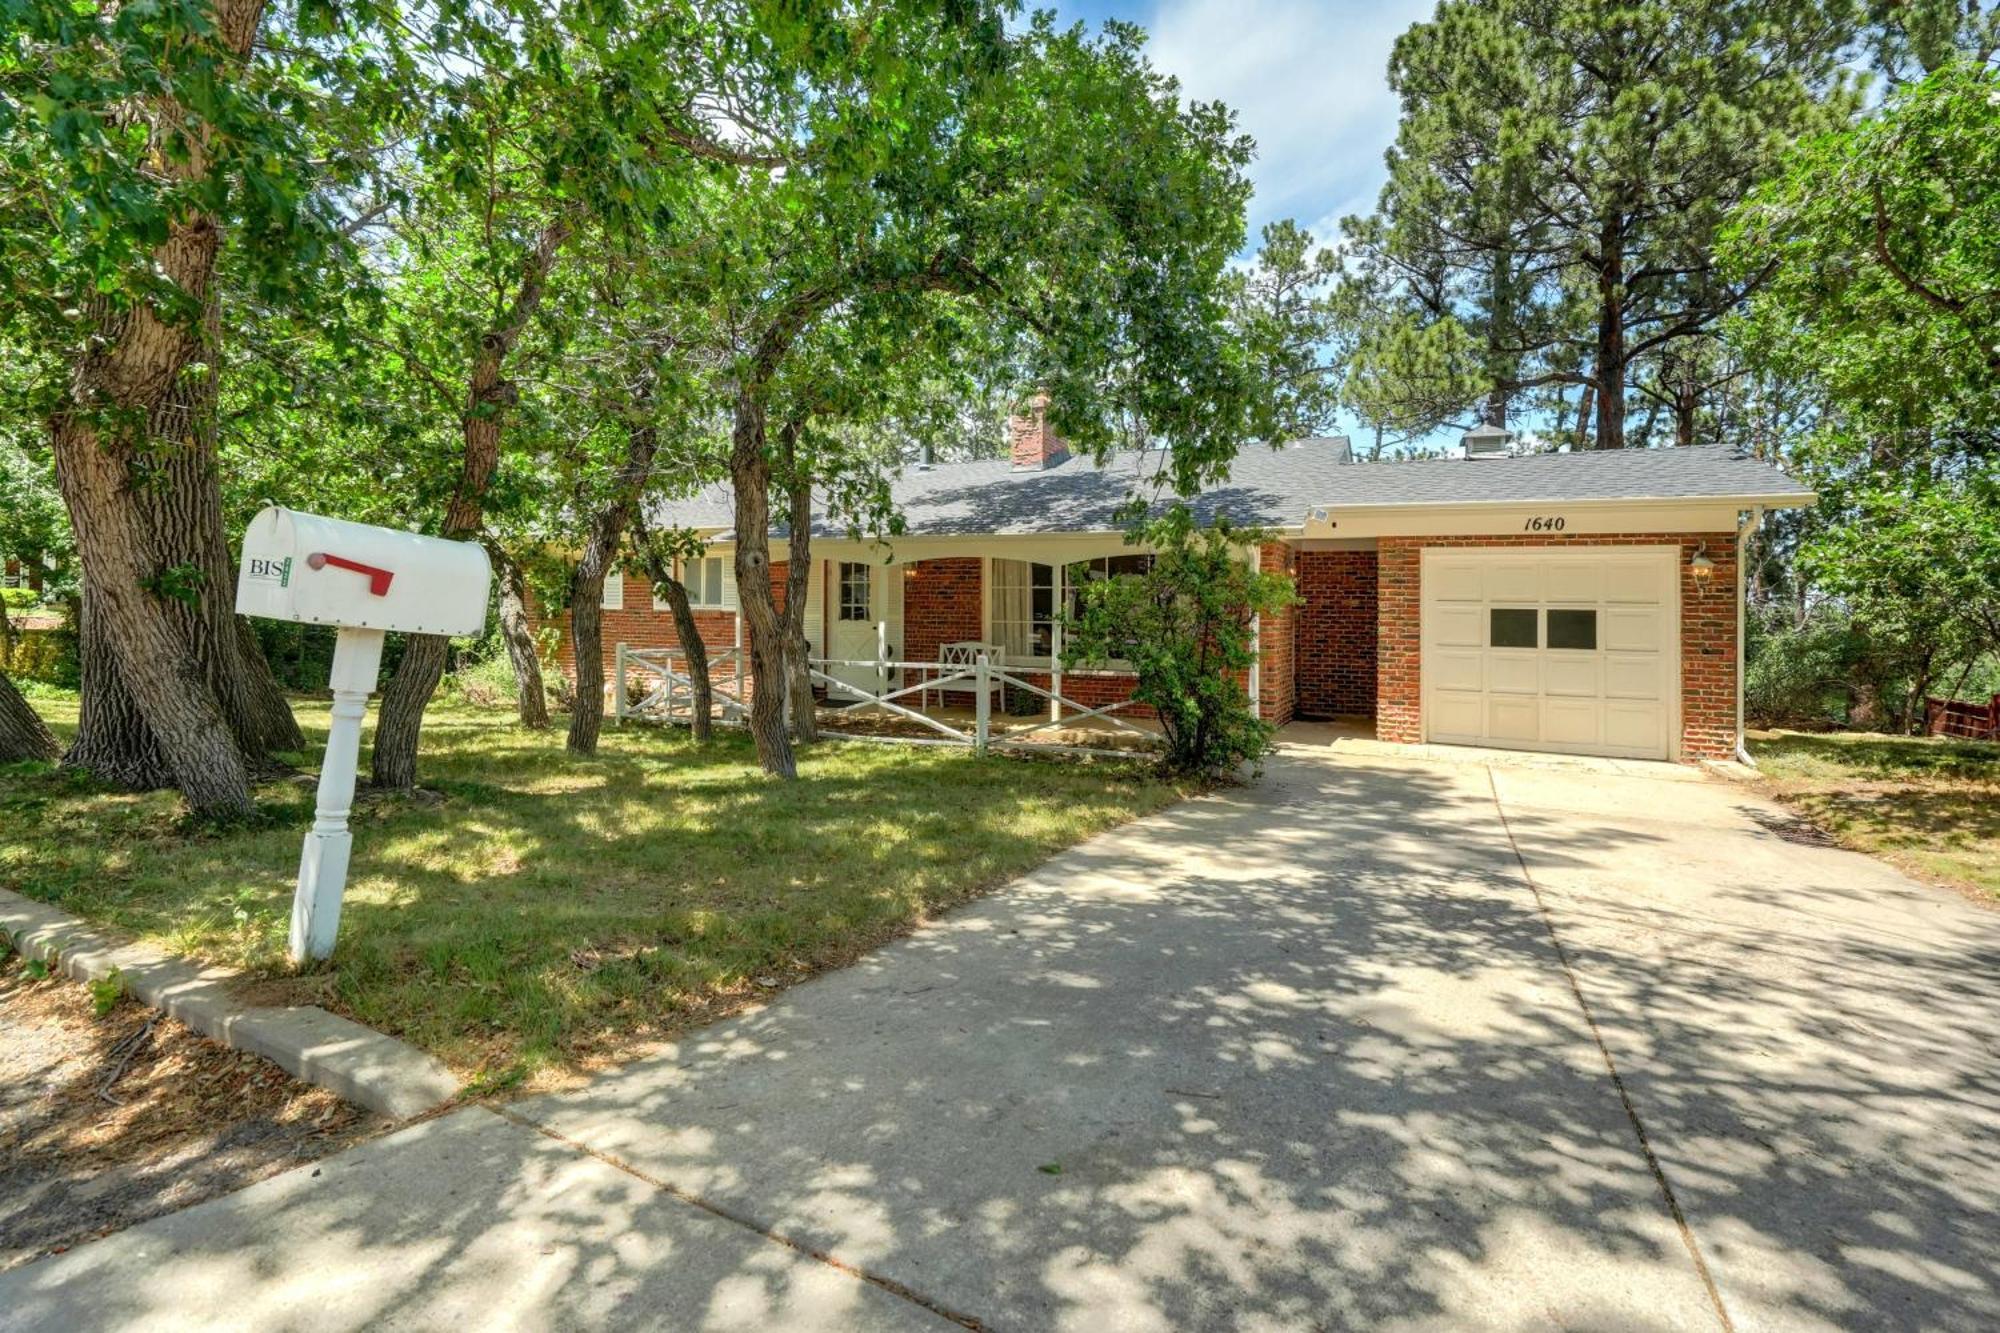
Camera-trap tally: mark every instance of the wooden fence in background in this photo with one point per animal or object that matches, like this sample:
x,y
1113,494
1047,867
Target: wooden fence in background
x,y
1964,720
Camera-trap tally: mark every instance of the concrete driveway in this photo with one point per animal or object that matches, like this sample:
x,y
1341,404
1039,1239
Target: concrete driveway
x,y
1379,1042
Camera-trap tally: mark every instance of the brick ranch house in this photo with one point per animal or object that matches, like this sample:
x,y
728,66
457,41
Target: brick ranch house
x,y
1584,603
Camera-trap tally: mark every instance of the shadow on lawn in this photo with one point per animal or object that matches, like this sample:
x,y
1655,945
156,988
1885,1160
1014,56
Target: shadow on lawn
x,y
1258,1067
1884,757
532,907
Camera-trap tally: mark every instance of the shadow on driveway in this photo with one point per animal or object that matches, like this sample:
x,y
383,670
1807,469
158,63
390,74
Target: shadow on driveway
x,y
1301,1055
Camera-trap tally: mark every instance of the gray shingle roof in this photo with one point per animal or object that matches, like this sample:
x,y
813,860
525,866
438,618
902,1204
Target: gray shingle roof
x,y
1275,487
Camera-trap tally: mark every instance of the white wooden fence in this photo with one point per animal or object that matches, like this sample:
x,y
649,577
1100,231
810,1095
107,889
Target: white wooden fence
x,y
668,693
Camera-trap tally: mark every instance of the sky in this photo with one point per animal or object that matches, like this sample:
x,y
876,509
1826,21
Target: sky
x,y
1305,78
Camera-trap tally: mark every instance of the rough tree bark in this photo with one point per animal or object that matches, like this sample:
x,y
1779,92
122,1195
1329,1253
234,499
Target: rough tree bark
x,y
750,478
798,586
23,734
489,396
1610,365
113,742
586,616
182,502
686,629
531,698
118,386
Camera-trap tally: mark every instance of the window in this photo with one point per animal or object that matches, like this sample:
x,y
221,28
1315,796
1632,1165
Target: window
x,y
703,580
1104,567
1573,629
856,585
1024,603
1512,627
613,598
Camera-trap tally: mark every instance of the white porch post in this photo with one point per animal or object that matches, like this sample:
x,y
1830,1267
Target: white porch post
x,y
983,709
1061,595
618,703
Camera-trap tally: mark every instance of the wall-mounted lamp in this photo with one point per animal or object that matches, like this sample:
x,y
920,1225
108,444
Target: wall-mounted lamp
x,y
1700,565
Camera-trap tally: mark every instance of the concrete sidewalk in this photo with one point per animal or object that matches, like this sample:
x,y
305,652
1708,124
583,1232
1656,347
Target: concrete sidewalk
x,y
1302,1055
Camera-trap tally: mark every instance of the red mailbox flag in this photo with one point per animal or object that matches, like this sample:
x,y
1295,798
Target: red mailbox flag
x,y
378,578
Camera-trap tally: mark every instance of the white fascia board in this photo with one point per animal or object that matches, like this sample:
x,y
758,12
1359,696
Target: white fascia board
x,y
1597,517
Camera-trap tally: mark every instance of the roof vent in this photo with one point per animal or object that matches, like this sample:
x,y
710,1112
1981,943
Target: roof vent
x,y
1487,441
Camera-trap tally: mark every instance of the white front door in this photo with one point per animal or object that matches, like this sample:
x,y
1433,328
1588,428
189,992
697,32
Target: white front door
x,y
858,605
1565,649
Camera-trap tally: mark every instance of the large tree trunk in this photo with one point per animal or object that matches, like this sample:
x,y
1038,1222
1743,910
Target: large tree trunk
x,y
600,551
171,699
122,391
531,698
1611,334
489,395
182,502
23,734
178,497
750,478
112,742
798,587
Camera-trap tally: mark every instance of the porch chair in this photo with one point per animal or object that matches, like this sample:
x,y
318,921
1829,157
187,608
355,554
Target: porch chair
x,y
953,657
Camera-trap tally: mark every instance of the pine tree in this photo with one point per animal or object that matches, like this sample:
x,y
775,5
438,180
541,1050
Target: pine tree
x,y
1560,172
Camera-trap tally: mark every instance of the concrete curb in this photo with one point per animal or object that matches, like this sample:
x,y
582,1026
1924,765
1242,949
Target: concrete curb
x,y
360,1064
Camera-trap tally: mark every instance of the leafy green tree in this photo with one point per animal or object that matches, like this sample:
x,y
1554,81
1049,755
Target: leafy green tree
x,y
1187,627
1285,313
133,140
1561,169
1885,299
1049,180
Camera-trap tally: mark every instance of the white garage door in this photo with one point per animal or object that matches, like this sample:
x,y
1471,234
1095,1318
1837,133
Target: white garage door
x,y
1546,649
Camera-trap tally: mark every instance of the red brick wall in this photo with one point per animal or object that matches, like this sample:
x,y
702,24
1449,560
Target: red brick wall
x,y
638,625
1708,632
941,604
1336,633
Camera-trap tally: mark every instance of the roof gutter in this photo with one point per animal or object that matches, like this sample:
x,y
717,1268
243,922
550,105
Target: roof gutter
x,y
1781,500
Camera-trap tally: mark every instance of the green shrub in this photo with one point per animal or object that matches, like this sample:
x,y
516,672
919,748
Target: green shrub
x,y
1798,674
20,599
484,683
1185,626
44,655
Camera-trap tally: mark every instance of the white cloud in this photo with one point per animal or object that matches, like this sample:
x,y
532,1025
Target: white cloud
x,y
1307,80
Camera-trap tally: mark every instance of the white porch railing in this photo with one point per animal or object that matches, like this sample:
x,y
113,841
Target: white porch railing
x,y
662,672
669,690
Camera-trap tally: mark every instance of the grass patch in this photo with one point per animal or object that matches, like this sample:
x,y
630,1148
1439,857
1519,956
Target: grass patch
x,y
1929,805
541,912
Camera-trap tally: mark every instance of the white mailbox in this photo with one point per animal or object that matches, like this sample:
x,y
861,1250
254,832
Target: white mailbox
x,y
366,581
325,571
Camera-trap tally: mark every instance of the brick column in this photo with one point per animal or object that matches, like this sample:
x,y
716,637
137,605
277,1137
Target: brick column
x,y
1398,639
1277,642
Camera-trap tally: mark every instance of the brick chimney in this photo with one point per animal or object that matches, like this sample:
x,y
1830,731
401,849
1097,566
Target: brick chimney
x,y
1036,444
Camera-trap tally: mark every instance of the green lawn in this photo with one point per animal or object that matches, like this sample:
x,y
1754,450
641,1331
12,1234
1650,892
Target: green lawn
x,y
541,913
1930,806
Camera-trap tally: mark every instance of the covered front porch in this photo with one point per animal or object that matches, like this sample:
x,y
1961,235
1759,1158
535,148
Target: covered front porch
x,y
976,703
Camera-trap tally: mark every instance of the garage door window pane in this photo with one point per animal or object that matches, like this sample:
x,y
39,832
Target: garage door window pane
x,y
1573,629
1512,627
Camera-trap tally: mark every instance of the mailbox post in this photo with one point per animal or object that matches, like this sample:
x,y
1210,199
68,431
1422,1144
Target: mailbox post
x,y
365,581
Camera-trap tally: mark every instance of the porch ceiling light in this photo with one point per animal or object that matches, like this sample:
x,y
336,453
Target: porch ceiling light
x,y
1700,565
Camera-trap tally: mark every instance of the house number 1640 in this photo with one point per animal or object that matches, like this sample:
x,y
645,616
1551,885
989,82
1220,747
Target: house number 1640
x,y
1543,525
